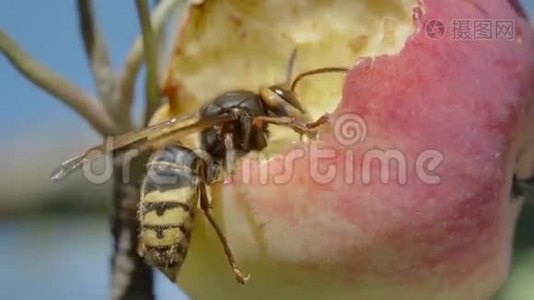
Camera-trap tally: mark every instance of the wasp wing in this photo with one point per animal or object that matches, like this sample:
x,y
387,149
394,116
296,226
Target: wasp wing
x,y
144,139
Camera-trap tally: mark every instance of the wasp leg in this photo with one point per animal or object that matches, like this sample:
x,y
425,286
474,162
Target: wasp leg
x,y
308,129
231,155
245,122
205,206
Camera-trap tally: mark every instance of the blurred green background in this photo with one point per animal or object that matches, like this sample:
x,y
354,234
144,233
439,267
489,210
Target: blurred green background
x,y
520,285
54,238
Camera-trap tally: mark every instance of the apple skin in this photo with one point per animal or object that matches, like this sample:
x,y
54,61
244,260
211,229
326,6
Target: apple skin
x,y
471,101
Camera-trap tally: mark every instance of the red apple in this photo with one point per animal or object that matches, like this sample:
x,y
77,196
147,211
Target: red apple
x,y
455,116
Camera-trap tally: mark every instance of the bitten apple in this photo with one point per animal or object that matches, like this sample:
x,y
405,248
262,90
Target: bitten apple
x,y
406,194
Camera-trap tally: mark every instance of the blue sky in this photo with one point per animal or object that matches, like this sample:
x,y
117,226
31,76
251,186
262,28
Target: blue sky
x,y
34,125
48,30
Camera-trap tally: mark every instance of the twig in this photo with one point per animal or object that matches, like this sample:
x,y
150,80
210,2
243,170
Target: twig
x,y
131,277
134,58
106,80
151,59
95,48
85,105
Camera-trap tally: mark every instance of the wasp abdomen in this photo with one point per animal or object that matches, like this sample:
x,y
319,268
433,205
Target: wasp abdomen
x,y
168,201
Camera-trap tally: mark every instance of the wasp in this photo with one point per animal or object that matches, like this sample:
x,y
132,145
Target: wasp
x,y
230,126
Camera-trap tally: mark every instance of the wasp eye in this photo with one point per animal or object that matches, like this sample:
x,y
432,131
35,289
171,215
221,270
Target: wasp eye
x,y
282,101
288,96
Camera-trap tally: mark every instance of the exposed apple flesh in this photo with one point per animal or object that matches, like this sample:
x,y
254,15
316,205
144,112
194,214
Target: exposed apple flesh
x,y
471,101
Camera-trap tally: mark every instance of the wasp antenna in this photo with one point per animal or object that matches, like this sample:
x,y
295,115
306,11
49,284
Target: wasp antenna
x,y
317,71
290,66
67,168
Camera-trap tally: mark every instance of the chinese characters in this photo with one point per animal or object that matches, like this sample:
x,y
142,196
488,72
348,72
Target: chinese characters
x,y
473,29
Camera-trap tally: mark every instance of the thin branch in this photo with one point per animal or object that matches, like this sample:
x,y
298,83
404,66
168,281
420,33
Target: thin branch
x,y
95,46
135,55
96,50
56,85
151,59
132,278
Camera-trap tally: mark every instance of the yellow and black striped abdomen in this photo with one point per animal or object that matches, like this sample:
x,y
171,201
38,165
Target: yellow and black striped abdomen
x,y
169,199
